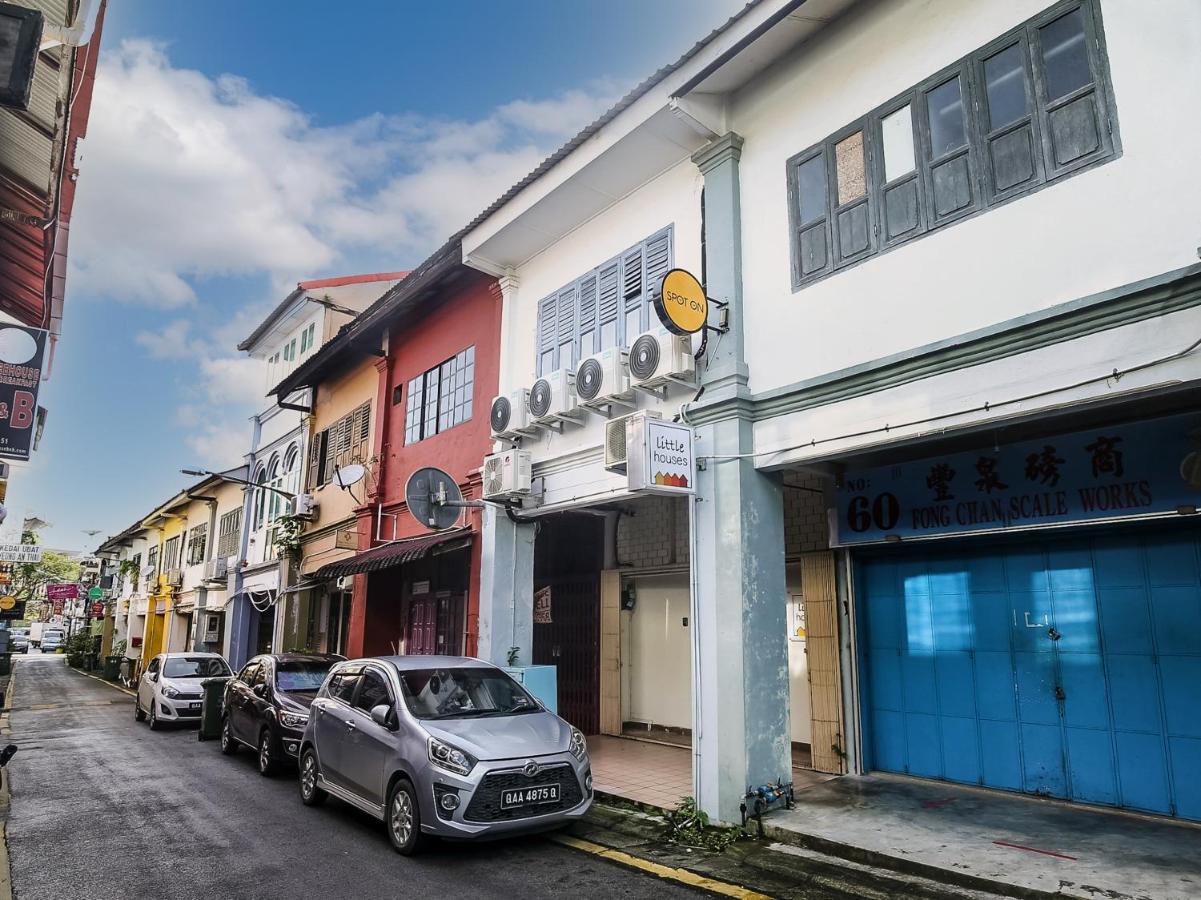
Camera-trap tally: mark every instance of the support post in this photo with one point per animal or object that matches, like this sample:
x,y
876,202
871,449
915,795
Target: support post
x,y
506,589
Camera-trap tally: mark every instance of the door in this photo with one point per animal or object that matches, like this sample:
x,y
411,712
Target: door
x,y
368,743
333,723
147,682
571,643
423,625
240,698
1065,668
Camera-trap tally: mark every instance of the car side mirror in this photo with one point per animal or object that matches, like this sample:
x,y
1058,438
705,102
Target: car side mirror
x,y
260,690
382,715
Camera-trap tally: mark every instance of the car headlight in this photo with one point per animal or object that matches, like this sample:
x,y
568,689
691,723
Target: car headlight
x,y
451,758
579,746
294,720
170,692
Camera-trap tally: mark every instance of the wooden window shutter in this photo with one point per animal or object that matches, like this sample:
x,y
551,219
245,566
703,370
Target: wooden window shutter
x,y
565,328
608,302
658,261
546,331
587,306
315,452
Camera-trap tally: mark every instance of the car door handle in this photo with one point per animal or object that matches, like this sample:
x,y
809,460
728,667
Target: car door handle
x,y
350,726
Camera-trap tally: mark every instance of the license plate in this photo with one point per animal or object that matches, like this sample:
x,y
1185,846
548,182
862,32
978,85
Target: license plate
x,y
193,706
529,796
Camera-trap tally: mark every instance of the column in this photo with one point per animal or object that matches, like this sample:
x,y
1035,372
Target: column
x,y
740,654
506,588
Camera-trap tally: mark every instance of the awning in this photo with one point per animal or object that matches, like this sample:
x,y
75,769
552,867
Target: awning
x,y
397,554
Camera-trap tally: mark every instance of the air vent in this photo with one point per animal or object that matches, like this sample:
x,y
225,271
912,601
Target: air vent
x,y
644,357
502,412
540,398
589,378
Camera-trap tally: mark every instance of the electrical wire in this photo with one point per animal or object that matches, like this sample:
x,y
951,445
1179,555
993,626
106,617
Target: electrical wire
x,y
1116,375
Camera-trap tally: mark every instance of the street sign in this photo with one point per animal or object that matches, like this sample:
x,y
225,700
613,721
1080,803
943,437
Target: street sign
x,y
8,601
19,553
96,593
62,591
21,352
97,610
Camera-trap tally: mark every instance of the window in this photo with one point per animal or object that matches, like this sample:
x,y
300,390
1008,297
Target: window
x,y
290,351
373,691
347,441
306,338
248,673
229,533
171,553
342,685
154,664
1029,107
440,398
195,667
607,307
152,565
197,543
259,498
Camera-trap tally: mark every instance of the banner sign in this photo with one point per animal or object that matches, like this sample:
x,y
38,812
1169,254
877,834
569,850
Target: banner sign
x,y
20,553
56,607
21,353
660,459
62,591
542,606
1123,471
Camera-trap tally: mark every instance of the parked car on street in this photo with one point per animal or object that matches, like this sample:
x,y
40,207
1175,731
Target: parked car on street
x,y
266,705
169,690
442,745
18,640
52,639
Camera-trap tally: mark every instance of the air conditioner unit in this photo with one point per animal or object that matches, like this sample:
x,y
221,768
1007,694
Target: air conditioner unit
x,y
552,397
510,414
659,358
175,577
507,474
304,507
216,569
603,378
616,444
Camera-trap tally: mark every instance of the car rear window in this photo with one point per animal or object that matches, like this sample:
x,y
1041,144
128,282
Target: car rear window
x,y
307,675
194,667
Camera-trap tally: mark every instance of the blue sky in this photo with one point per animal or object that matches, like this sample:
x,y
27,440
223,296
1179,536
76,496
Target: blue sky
x,y
236,148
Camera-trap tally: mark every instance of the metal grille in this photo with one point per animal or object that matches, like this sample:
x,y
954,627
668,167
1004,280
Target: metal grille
x,y
485,802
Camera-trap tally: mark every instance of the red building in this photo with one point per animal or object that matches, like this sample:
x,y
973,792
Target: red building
x,y
434,341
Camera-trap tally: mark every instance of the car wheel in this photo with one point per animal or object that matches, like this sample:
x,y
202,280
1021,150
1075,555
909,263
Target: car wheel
x,y
154,723
228,745
267,765
310,793
138,714
404,819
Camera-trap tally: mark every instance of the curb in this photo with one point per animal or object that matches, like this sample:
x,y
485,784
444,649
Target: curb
x,y
115,687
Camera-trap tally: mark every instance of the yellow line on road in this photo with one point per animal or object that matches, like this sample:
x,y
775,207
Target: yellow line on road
x,y
681,875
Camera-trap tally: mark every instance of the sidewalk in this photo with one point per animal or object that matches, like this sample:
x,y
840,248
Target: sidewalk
x,y
986,840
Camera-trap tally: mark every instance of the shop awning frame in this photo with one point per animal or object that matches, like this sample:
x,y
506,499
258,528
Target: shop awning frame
x,y
397,553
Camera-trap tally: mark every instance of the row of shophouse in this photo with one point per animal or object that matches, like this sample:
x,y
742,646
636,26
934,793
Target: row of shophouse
x,y
940,517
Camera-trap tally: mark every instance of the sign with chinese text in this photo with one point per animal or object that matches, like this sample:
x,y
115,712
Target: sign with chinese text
x,y
660,459
62,591
20,553
542,606
1123,471
21,353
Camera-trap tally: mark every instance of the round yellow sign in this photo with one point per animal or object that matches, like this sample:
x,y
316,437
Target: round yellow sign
x,y
681,304
8,601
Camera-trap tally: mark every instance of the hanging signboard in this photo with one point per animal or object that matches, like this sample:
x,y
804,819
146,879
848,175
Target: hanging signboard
x,y
542,606
56,606
62,591
660,459
1137,470
21,352
681,304
97,610
20,553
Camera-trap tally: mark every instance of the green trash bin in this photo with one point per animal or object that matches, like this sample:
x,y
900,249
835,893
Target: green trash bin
x,y
6,664
112,668
210,707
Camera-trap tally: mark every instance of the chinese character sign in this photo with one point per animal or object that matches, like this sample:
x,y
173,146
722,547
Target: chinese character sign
x,y
1110,472
21,353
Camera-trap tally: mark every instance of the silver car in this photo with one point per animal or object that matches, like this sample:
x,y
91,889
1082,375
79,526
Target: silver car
x,y
442,745
169,690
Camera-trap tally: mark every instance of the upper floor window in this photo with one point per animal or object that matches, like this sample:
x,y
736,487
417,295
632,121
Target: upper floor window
x,y
197,543
607,307
171,553
307,338
260,498
346,441
1030,107
441,397
229,536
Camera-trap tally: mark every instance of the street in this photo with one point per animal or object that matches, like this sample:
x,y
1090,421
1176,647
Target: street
x,y
103,807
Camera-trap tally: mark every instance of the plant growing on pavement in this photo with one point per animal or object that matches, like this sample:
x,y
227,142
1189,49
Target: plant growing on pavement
x,y
688,824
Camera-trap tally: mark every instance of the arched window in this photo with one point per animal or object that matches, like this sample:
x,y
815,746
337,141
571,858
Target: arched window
x,y
275,480
259,498
292,470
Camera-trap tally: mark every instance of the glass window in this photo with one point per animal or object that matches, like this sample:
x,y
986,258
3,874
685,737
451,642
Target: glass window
x,y
1065,54
154,665
463,692
896,130
850,168
440,398
342,685
372,692
1005,86
195,667
301,675
944,105
811,189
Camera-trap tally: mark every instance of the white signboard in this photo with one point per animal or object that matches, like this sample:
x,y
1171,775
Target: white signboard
x,y
20,553
660,459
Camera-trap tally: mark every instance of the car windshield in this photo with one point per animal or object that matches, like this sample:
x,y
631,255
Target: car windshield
x,y
52,634
463,692
306,675
194,667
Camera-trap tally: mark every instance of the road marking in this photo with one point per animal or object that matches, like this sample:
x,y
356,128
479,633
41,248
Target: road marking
x,y
681,875
115,687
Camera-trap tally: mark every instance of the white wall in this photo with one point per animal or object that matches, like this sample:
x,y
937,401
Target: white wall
x,y
1129,219
798,670
656,653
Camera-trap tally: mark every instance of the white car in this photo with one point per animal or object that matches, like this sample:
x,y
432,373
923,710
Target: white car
x,y
169,690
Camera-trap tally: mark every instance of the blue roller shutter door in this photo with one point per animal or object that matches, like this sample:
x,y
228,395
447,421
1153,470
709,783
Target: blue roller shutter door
x,y
1062,668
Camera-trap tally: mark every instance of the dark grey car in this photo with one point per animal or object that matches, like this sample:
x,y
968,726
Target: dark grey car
x,y
442,745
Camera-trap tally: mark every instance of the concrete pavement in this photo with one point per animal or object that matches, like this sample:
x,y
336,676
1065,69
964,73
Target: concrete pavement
x,y
104,808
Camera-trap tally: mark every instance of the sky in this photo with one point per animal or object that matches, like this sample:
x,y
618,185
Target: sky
x,y
236,148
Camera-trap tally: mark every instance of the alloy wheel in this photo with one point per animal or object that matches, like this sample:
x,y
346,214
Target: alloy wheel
x,y
266,763
308,777
400,818
228,745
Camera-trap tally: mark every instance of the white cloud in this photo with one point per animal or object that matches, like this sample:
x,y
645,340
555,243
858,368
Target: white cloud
x,y
166,343
218,444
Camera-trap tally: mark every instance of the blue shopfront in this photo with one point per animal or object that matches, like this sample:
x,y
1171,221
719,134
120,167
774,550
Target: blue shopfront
x,y
1029,616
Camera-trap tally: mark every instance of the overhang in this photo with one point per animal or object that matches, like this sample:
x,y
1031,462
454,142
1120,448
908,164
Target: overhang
x,y
397,554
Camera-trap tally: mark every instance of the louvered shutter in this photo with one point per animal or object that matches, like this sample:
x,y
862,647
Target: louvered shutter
x,y
658,261
354,441
565,329
363,431
608,302
546,334
315,452
632,293
587,308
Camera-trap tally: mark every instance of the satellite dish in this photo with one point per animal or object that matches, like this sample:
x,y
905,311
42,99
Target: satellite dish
x,y
427,494
345,476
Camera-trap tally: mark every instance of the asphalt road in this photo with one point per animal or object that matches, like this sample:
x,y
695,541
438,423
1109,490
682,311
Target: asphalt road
x,y
105,808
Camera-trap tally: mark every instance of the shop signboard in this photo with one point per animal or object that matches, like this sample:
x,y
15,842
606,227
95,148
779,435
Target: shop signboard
x,y
542,598
19,553
56,607
21,353
98,610
1137,470
62,591
660,458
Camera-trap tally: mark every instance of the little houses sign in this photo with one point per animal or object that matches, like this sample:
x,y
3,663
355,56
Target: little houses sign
x,y
660,457
1123,471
